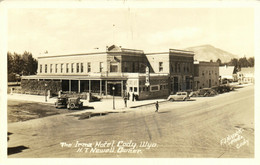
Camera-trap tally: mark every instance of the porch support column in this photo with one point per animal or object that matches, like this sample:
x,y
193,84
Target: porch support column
x,y
89,86
122,89
106,87
69,86
78,86
100,88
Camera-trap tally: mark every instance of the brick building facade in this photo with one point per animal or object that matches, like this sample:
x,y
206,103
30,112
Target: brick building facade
x,y
206,74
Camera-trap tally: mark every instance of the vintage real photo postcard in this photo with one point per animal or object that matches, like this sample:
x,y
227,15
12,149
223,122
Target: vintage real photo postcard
x,y
129,80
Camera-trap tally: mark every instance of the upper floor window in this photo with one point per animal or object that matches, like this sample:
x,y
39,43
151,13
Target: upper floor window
x,y
125,67
46,68
77,67
172,67
175,67
41,68
89,67
67,68
160,66
72,67
113,67
50,68
179,67
81,67
56,68
101,66
61,68
188,68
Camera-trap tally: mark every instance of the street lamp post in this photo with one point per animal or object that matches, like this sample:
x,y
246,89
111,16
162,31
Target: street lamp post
x,y
113,88
45,92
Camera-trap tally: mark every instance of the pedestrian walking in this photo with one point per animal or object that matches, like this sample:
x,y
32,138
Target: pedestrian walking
x,y
125,99
157,106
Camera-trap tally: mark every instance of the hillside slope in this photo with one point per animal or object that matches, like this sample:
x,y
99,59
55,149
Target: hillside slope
x,y
209,52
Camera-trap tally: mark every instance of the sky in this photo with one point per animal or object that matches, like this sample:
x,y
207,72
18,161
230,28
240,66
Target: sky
x,y
79,30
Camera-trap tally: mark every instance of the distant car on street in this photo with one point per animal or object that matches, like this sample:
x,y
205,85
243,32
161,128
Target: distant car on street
x,y
61,102
205,92
179,96
74,103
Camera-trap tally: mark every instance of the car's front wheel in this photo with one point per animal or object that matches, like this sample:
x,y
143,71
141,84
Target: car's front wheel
x,y
171,99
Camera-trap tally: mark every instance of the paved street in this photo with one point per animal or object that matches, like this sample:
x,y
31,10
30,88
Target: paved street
x,y
221,126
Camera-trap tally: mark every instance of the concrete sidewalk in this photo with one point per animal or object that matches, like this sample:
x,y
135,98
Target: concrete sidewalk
x,y
105,105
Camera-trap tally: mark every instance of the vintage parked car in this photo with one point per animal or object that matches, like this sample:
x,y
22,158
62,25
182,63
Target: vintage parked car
x,y
61,102
205,92
74,103
94,98
179,96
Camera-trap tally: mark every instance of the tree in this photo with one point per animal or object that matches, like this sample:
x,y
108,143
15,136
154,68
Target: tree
x,y
20,65
234,62
17,64
242,62
30,64
10,62
251,61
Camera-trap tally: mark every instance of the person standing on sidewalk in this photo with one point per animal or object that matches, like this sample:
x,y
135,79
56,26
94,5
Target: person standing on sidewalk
x,y
157,106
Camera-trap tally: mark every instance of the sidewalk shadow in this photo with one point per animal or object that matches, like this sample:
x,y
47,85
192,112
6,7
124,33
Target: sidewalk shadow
x,y
164,112
15,150
88,107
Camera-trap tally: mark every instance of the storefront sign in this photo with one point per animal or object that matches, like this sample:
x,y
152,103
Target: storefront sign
x,y
147,76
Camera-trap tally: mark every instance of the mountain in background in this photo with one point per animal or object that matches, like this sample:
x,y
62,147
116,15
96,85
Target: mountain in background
x,y
209,52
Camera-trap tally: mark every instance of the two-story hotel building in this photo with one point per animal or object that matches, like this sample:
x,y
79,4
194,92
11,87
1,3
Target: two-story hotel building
x,y
117,70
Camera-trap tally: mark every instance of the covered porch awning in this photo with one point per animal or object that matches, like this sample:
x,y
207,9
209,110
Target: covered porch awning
x,y
73,77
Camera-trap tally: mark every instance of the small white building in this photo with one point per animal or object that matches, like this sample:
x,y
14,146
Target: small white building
x,y
246,75
226,72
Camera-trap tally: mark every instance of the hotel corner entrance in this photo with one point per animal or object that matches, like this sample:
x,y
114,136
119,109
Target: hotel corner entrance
x,y
118,88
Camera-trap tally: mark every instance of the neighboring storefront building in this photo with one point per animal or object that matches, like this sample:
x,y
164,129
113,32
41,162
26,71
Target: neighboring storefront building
x,y
206,74
178,64
118,71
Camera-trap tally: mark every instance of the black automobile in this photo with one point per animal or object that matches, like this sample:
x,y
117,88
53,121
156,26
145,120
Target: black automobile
x,y
61,102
